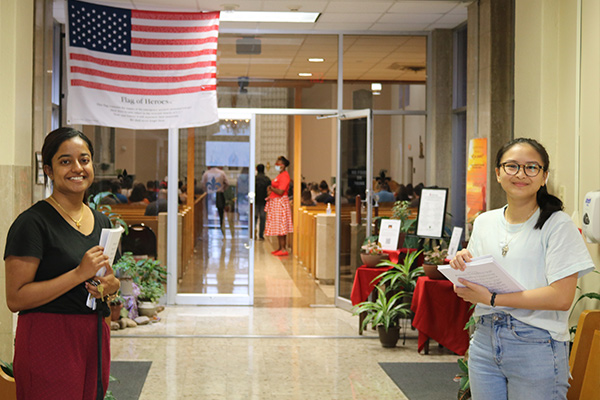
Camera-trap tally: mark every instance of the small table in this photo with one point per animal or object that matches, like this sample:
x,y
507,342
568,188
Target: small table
x,y
440,315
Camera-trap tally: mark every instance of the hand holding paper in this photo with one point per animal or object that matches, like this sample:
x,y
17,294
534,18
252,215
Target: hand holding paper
x,y
484,271
109,239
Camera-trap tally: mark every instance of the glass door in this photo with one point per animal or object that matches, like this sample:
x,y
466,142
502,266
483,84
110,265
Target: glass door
x,y
353,197
222,271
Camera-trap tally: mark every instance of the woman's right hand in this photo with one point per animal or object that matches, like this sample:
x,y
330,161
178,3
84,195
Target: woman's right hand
x,y
461,259
92,261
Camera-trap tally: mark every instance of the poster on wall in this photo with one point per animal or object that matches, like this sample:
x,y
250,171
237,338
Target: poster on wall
x,y
141,69
476,178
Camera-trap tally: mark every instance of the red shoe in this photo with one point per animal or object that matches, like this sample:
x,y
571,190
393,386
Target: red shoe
x,y
280,253
275,251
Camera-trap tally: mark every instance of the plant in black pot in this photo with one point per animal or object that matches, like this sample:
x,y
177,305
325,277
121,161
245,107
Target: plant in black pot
x,y
384,313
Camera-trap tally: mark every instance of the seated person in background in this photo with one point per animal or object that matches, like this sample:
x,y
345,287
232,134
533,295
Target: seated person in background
x,y
307,199
402,193
314,190
159,205
151,191
384,195
115,188
417,195
325,196
138,195
349,197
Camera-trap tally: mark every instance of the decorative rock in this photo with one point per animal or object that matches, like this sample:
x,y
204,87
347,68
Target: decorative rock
x,y
130,323
122,323
114,326
142,320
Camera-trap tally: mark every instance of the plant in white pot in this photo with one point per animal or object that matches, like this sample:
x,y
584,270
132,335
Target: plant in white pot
x,y
151,278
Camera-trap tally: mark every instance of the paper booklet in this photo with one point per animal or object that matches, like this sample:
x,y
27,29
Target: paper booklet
x,y
484,271
109,239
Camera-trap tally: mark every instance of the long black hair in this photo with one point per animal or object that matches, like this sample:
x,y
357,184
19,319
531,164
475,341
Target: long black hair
x,y
548,203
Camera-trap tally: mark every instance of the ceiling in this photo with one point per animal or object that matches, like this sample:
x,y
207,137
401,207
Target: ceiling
x,y
368,55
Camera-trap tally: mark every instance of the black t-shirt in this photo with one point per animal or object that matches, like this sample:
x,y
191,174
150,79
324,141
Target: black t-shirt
x,y
41,232
262,182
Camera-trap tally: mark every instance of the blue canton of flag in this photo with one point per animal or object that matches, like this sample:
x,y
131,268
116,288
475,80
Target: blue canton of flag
x,y
100,28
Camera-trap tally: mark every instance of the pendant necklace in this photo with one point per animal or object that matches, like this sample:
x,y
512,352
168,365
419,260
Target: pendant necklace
x,y
505,247
77,221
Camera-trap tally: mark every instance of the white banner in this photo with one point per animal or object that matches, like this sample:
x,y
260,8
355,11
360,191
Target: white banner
x,y
141,69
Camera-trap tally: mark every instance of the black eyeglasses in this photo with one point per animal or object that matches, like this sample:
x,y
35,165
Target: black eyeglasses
x,y
512,168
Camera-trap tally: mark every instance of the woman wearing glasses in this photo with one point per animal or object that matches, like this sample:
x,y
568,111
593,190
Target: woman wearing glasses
x,y
520,346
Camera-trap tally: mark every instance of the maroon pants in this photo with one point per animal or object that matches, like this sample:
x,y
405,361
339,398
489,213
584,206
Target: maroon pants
x,y
56,356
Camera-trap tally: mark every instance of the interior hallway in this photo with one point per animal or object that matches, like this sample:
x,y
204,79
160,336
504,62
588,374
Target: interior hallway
x,y
293,344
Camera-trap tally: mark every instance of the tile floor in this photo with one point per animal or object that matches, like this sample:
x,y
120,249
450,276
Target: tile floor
x,y
293,344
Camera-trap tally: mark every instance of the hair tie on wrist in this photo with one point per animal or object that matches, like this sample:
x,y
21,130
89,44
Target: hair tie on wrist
x,y
493,300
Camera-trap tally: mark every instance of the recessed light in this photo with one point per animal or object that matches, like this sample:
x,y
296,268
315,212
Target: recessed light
x,y
305,74
267,16
316,59
376,93
376,87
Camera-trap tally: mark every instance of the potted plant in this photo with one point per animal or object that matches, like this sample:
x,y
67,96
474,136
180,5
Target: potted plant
x,y
116,305
464,390
401,210
8,388
384,313
126,268
371,253
403,276
94,201
434,257
150,293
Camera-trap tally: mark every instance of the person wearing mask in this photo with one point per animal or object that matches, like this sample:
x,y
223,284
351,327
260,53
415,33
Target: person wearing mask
x,y
279,214
261,183
520,348
51,260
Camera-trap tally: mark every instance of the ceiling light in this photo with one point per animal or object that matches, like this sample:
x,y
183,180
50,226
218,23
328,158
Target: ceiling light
x,y
376,87
316,59
268,16
305,74
376,93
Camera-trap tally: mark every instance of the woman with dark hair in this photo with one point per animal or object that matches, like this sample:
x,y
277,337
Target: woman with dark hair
x,y
521,344
51,257
139,194
279,215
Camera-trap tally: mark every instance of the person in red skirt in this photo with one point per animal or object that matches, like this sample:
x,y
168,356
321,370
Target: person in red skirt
x,y
279,214
51,256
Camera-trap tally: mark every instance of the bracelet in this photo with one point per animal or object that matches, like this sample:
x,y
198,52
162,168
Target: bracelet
x,y
493,300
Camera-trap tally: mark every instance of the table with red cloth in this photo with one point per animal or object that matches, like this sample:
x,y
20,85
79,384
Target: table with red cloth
x,y
440,315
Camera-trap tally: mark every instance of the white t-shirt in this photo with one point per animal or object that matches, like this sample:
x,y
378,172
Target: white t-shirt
x,y
535,258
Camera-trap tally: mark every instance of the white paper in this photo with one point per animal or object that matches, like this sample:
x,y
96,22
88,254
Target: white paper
x,y
389,232
484,271
454,241
430,222
109,239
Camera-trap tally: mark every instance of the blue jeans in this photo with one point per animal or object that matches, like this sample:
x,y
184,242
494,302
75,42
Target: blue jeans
x,y
509,359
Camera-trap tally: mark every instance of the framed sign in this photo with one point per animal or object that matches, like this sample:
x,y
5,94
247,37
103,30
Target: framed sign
x,y
432,210
389,233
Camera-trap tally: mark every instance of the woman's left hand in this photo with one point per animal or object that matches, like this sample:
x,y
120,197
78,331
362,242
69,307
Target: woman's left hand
x,y
473,293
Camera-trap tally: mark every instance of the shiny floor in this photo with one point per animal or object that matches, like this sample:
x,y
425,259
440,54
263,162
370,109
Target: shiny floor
x,y
292,344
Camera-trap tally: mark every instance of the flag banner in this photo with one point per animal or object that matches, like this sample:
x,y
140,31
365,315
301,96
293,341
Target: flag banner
x,y
141,69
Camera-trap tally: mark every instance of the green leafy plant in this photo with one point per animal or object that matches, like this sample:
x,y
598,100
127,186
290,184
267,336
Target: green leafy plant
x,y
7,368
151,291
384,311
402,276
464,390
115,218
436,256
401,210
149,274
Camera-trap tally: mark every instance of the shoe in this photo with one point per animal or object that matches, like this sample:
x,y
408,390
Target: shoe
x,y
275,251
280,253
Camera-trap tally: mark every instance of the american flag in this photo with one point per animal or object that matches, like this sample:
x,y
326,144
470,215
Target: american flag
x,y
142,52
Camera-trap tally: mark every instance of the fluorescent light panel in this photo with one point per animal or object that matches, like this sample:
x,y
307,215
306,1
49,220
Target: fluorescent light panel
x,y
304,74
268,16
316,60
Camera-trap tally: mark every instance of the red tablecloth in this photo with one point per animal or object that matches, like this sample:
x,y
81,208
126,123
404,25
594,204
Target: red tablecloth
x,y
362,286
440,315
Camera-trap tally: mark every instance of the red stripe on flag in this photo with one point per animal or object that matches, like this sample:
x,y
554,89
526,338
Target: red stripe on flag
x,y
174,42
142,66
173,54
172,16
137,78
174,29
147,92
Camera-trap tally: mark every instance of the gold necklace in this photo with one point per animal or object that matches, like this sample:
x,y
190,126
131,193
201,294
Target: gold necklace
x,y
77,221
505,247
